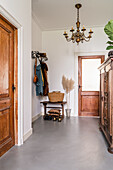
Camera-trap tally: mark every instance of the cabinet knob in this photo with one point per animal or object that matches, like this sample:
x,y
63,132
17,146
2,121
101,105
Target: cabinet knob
x,y
102,98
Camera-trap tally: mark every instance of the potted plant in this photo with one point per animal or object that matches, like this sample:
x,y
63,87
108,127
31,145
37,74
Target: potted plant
x,y
109,31
68,86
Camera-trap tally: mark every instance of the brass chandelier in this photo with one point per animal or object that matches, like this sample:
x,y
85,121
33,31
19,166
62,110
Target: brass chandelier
x,y
78,36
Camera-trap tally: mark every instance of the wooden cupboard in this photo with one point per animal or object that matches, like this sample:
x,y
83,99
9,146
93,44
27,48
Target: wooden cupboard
x,y
106,101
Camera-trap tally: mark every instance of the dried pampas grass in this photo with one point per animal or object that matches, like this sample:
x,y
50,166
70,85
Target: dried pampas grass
x,y
68,85
64,82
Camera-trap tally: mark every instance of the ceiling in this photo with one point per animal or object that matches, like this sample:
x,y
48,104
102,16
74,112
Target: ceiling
x,y
61,14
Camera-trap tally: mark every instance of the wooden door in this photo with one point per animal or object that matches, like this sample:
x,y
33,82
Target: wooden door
x,y
6,86
88,100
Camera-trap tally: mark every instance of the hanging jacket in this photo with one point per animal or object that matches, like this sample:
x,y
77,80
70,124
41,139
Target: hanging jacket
x,y
44,68
39,84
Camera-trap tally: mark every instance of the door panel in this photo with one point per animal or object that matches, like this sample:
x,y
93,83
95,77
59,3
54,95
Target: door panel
x,y
6,83
4,62
88,85
4,125
90,103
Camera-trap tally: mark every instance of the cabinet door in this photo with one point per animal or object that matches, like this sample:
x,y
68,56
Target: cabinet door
x,y
102,98
109,102
106,74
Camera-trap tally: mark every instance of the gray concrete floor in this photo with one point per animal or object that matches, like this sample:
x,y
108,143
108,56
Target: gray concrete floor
x,y
73,144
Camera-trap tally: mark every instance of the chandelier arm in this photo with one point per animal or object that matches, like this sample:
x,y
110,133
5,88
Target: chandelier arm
x,y
74,40
87,40
68,39
86,37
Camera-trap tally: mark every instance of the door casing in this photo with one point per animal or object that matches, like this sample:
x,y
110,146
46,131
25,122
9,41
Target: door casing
x,y
102,57
20,53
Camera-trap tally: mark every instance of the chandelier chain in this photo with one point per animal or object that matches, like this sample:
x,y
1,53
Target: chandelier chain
x,y
78,15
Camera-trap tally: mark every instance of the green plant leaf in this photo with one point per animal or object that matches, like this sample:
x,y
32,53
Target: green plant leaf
x,y
111,37
109,42
109,47
109,29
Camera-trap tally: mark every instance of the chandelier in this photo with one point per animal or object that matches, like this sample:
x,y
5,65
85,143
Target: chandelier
x,y
78,36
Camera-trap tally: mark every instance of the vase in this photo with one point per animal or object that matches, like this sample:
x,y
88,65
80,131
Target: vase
x,y
68,112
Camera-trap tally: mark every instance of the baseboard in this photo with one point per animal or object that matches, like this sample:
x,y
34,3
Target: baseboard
x,y
96,117
36,117
27,135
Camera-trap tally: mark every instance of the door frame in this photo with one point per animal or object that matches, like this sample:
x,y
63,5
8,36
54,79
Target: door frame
x,y
102,57
18,57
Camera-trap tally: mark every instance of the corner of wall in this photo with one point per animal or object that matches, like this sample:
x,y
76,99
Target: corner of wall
x,y
37,46
27,135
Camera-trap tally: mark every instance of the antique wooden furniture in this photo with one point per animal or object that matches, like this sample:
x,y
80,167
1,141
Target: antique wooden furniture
x,y
45,103
56,96
106,101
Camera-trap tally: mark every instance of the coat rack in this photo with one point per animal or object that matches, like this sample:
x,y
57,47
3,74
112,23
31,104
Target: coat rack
x,y
40,56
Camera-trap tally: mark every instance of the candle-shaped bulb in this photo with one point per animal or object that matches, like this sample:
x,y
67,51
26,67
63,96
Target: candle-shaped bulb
x,y
90,30
83,27
72,28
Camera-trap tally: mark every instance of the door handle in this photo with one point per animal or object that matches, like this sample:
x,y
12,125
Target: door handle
x,y
13,87
79,86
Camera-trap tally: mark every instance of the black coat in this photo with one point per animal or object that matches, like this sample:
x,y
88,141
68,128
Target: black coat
x,y
44,68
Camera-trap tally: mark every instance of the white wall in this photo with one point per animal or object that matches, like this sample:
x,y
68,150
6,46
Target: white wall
x,y
36,35
20,10
36,46
63,58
